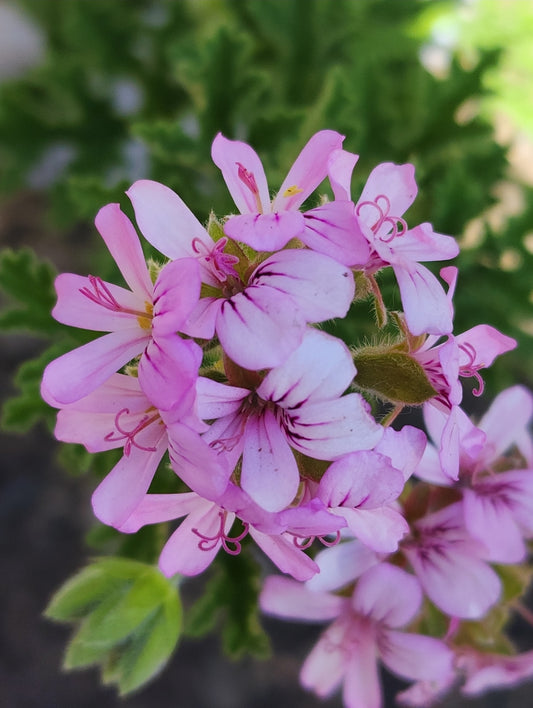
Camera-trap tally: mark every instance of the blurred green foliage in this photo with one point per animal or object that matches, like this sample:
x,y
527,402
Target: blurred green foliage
x,y
139,88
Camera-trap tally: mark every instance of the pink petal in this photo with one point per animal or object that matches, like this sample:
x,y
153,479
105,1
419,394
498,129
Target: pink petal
x,y
176,294
415,657
320,369
333,428
165,221
308,171
485,343
320,287
257,329
332,229
283,597
470,597
361,682
363,479
250,189
380,529
202,320
426,307
269,471
326,665
341,565
184,552
217,399
168,371
423,244
123,243
158,508
506,420
340,168
285,555
404,448
488,517
77,310
123,489
196,463
77,373
373,597
265,232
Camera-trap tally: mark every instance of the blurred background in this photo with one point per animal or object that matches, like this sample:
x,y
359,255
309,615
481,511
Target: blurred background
x,y
96,94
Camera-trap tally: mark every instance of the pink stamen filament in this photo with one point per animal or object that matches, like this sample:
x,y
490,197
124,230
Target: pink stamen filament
x,y
470,370
129,435
231,544
101,295
398,225
303,543
248,179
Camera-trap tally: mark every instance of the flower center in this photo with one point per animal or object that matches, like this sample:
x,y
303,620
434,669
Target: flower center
x,y
248,179
220,264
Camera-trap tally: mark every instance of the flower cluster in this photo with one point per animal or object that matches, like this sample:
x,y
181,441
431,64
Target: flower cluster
x,y
215,357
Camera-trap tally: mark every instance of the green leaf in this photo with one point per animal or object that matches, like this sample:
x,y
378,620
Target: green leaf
x,y
128,618
20,412
30,282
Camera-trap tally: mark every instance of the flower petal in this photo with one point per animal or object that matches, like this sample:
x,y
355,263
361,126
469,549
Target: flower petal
x,y
283,597
340,168
123,489
373,597
257,329
265,232
176,294
269,471
285,555
309,169
320,369
78,310
243,174
123,243
319,286
415,657
80,371
165,221
426,306
341,564
332,229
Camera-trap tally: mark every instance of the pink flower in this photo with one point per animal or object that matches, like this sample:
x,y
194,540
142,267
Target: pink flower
x,y
269,226
388,193
118,414
498,505
261,316
485,671
141,320
449,563
365,628
362,486
208,525
460,356
299,405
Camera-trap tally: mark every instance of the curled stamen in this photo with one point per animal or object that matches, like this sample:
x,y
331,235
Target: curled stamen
x,y
129,435
231,544
398,225
329,544
303,543
470,370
